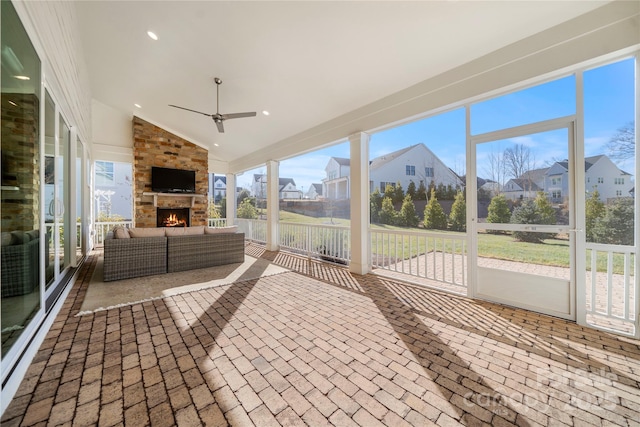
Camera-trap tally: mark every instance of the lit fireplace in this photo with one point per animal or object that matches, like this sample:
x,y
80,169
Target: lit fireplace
x,y
173,217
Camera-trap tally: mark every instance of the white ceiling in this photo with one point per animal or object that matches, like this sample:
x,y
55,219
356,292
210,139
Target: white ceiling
x,y
304,62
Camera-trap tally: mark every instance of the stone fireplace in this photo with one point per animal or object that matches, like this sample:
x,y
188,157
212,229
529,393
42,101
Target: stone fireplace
x,y
173,217
154,146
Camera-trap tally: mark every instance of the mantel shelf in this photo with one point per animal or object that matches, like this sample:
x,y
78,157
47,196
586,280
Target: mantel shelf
x,y
155,195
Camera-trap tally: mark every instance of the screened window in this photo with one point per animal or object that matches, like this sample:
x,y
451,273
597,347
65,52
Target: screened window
x,y
104,173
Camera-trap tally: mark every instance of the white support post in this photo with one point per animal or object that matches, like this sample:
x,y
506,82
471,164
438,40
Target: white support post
x,y
360,258
273,205
231,198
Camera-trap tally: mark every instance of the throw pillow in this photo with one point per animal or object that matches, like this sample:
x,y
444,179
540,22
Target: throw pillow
x,y
185,231
146,232
120,232
221,230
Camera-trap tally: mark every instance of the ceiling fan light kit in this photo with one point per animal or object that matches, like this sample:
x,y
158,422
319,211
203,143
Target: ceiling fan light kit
x,y
217,117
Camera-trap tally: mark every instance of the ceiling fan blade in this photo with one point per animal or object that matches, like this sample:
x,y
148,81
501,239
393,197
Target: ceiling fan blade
x,y
193,111
238,115
220,126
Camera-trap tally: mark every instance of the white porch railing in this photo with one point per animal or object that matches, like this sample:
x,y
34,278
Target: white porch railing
x,y
253,229
101,229
610,284
429,255
217,222
327,242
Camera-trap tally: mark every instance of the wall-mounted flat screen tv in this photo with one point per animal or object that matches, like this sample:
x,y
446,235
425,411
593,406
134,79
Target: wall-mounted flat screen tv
x,y
166,180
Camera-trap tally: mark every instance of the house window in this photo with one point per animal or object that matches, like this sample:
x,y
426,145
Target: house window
x,y
411,170
618,193
600,180
428,172
618,181
383,185
556,194
588,179
104,173
556,180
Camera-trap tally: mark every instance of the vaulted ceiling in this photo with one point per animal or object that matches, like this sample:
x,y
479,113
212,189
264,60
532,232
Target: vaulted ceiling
x,y
306,63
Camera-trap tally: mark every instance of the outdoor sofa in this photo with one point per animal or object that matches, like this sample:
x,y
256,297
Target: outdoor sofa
x,y
140,252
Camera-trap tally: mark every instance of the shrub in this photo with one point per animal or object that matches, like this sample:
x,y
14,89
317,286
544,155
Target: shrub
x,y
499,212
375,205
411,190
527,213
458,215
434,216
616,226
594,210
408,216
421,192
388,214
398,193
247,210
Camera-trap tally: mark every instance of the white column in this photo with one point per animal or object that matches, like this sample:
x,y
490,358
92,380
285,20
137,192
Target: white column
x,y
360,259
231,198
273,205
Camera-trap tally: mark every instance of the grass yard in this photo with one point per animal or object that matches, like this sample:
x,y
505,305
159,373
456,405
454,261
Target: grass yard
x,y
554,252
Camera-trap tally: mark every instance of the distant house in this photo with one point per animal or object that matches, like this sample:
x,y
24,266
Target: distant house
x,y
415,163
337,183
314,192
286,188
217,187
520,188
600,173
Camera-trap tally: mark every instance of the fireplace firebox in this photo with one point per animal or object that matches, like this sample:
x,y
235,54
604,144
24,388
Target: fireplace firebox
x,y
173,217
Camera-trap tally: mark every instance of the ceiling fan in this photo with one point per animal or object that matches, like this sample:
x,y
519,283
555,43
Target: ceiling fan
x,y
217,117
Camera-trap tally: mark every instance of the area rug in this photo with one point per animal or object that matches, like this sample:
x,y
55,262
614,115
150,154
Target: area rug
x,y
105,295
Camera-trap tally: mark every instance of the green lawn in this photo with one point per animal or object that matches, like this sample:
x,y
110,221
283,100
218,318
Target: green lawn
x,y
554,252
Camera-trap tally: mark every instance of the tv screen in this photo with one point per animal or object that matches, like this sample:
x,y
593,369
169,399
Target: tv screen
x,y
166,180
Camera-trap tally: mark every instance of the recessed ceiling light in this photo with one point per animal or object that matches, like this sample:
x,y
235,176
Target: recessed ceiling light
x,y
265,112
13,103
137,105
152,35
216,145
22,77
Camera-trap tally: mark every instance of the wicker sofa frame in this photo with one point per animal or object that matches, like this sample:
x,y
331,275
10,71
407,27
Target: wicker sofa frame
x,y
145,256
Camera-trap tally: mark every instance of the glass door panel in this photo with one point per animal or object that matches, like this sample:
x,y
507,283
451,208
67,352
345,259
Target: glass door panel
x,y
62,215
525,235
49,188
79,200
20,191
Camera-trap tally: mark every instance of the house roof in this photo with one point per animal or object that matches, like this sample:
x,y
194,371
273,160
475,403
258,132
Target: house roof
x,y
386,158
317,188
524,184
342,161
535,175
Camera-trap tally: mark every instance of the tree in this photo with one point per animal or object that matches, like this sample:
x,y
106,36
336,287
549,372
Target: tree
x,y
434,216
212,209
499,212
411,190
527,213
223,207
375,205
408,216
243,195
388,214
458,215
389,191
517,160
594,210
398,194
547,213
622,145
616,227
421,193
247,210
495,169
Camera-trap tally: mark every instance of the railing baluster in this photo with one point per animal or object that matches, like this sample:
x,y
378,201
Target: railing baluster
x,y
609,282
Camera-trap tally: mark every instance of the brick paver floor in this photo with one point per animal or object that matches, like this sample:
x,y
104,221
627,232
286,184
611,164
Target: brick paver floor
x,y
318,346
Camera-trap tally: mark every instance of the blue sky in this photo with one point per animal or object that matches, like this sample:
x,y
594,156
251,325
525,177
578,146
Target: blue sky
x,y
609,104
